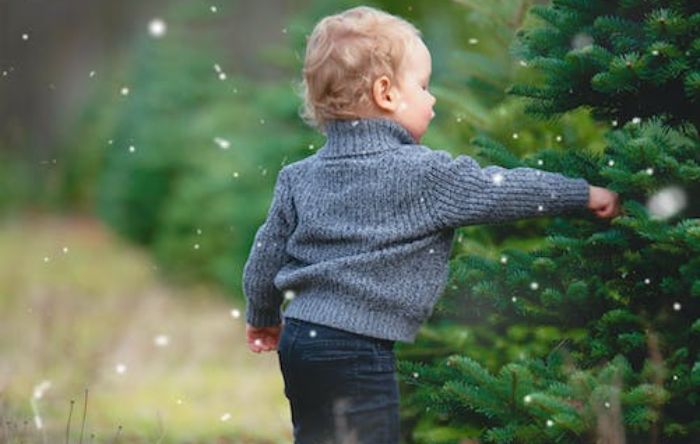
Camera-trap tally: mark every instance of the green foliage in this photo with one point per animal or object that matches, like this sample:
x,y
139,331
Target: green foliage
x,y
16,183
621,59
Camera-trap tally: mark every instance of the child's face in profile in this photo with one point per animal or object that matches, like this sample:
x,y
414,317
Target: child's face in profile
x,y
415,103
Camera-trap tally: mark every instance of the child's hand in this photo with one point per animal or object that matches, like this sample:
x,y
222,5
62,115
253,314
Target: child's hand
x,y
263,338
603,202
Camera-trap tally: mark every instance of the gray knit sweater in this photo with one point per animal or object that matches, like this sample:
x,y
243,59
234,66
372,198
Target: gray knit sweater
x,y
358,235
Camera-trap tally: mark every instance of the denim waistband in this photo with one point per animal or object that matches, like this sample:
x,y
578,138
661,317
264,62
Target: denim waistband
x,y
385,343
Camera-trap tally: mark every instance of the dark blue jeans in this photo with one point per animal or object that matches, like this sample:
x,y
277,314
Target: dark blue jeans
x,y
341,386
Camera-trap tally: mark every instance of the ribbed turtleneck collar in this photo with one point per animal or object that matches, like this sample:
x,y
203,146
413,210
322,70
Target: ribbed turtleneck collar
x,y
363,136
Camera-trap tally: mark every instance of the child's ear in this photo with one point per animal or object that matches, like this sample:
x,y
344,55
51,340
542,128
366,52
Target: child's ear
x,y
384,94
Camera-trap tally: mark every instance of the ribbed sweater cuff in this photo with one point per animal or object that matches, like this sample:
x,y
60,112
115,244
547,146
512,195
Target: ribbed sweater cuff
x,y
262,317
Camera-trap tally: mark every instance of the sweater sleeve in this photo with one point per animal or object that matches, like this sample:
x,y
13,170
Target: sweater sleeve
x,y
267,256
463,193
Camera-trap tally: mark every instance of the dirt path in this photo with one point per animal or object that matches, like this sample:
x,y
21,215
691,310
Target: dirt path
x,y
81,309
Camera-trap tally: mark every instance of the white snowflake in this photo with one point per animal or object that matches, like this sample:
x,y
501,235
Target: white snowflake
x,y
666,202
161,340
157,27
223,143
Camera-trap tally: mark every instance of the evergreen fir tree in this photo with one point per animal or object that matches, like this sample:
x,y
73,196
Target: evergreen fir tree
x,y
617,301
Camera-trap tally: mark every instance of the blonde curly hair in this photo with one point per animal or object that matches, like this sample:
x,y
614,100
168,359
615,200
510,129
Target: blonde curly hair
x,y
345,54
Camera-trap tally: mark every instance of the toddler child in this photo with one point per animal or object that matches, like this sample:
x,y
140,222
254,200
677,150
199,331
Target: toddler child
x,y
358,235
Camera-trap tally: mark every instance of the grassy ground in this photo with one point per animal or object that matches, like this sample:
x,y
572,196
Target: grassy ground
x,y
80,309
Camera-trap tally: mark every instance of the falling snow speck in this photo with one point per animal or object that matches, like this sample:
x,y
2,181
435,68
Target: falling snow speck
x,y
124,91
46,259
259,244
515,135
235,313
611,163
196,246
132,148
523,63
25,36
473,41
161,340
647,281
534,285
540,208
312,333
235,174
65,250
655,52
289,294
497,178
514,299
581,40
157,27
675,377
550,423
213,9
199,231
262,121
504,259
223,143
527,399
636,120
559,138
225,416
666,202
650,171
540,162
258,342
614,123
120,369
677,306
607,405
92,73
